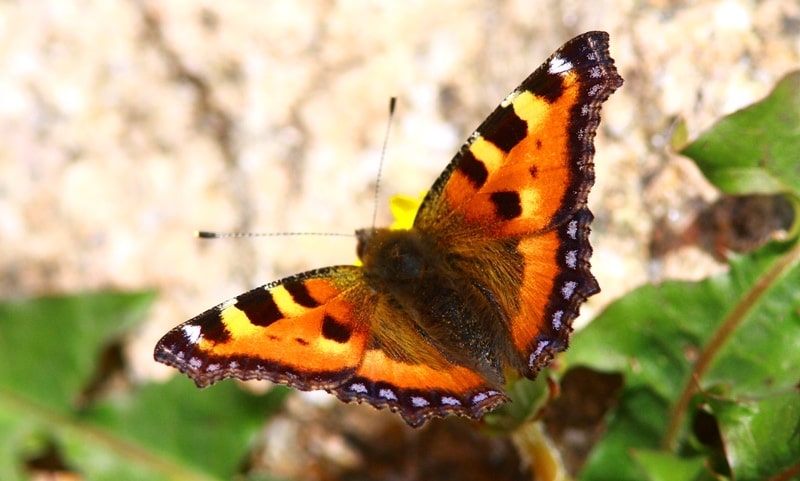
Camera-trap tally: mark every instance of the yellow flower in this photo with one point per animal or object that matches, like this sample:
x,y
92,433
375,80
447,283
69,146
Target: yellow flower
x,y
404,210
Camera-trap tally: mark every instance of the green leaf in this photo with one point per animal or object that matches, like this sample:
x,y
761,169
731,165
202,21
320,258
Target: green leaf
x,y
755,150
638,422
49,350
208,430
661,466
738,334
50,347
762,438
527,398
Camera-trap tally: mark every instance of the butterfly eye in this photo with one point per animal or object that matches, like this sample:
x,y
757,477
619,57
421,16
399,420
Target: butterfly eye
x,y
363,236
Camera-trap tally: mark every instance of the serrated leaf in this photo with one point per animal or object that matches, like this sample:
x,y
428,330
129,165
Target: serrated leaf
x,y
762,437
737,333
755,150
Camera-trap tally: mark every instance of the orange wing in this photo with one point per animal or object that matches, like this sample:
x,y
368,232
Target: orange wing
x,y
511,205
303,331
325,329
420,391
405,372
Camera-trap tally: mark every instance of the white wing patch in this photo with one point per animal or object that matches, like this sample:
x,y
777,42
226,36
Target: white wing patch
x,y
559,66
192,334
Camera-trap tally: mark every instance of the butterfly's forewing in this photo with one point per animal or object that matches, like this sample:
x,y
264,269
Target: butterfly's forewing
x,y
511,206
308,331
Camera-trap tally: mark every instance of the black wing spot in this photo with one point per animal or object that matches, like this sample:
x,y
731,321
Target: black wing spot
x,y
335,330
214,330
509,131
300,294
260,307
551,88
507,204
473,169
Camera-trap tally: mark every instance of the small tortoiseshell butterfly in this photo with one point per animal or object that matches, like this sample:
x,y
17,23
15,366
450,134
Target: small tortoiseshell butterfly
x,y
490,276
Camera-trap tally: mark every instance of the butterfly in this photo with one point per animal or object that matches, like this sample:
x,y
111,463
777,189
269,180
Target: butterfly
x,y
489,278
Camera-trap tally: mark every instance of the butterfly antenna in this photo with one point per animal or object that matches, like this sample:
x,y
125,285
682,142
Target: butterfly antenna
x,y
204,234
392,104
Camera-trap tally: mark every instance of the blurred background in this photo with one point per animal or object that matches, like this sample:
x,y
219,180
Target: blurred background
x,y
127,125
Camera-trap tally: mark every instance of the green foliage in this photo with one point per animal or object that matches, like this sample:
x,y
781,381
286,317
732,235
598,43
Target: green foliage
x,y
50,349
711,368
755,150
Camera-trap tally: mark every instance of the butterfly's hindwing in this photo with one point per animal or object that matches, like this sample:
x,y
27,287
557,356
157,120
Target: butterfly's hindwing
x,y
419,392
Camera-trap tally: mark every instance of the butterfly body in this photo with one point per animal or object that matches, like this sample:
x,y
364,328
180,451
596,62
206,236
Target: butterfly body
x,y
446,308
488,279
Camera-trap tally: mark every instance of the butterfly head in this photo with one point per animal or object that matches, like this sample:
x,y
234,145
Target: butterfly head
x,y
392,255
